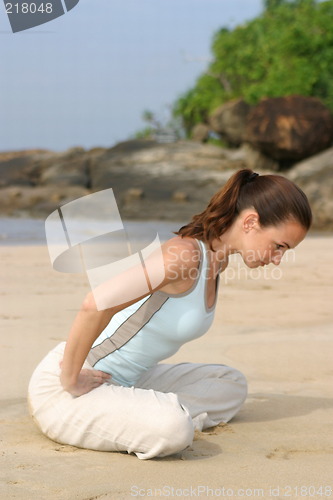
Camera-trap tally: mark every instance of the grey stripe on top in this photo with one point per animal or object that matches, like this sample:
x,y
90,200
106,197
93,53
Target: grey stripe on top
x,y
127,330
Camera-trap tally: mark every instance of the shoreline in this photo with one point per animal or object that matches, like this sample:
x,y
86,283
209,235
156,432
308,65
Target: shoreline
x,y
34,230
27,231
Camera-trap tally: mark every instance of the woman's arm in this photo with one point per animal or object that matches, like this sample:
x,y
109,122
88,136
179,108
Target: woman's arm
x,y
178,260
85,329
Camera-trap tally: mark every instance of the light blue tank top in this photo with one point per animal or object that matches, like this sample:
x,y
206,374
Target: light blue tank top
x,y
153,328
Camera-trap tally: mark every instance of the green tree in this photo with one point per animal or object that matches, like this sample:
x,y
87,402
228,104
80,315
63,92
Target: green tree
x,y
272,4
287,50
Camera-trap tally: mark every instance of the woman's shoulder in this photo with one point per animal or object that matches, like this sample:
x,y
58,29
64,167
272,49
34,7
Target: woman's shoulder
x,y
179,244
181,256
182,250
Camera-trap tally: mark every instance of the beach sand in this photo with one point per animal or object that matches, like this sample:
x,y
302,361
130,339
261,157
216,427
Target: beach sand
x,y
277,328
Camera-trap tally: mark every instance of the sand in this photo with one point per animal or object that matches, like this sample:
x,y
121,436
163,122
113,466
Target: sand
x,y
276,327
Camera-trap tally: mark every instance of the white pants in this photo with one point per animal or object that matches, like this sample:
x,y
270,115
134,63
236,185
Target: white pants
x,y
155,418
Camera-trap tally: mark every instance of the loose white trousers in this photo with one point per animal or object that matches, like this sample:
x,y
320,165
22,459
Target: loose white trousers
x,y
155,418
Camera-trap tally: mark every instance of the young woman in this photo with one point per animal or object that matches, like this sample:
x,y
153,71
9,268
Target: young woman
x,y
105,388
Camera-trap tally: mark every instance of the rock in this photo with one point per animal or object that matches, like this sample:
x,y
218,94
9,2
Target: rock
x,y
70,171
20,168
319,165
74,151
96,150
150,180
132,146
289,129
179,196
134,194
152,165
254,159
229,120
37,201
200,132
15,192
165,136
315,176
56,197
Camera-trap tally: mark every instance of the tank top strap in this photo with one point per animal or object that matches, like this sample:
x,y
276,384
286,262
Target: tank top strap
x,y
204,264
203,250
201,287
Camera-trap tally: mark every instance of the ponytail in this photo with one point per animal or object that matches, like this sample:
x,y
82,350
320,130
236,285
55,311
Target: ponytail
x,y
275,198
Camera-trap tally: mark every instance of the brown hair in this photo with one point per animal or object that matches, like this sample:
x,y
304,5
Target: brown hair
x,y
275,198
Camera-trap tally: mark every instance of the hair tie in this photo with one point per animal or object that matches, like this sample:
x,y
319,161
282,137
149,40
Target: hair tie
x,y
252,177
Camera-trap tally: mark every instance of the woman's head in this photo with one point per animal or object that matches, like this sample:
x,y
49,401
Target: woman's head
x,y
274,198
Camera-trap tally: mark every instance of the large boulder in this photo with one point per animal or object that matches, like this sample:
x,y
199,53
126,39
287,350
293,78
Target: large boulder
x,y
200,132
229,121
291,128
315,177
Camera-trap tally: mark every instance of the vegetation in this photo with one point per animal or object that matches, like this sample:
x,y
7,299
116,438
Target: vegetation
x,y
287,50
169,125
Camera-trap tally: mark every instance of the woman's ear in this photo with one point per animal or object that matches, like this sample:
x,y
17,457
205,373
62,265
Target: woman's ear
x,y
251,221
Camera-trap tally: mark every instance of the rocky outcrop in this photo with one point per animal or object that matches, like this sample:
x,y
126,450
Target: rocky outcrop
x,y
38,201
20,167
150,180
200,132
147,176
315,177
289,129
283,130
254,159
230,120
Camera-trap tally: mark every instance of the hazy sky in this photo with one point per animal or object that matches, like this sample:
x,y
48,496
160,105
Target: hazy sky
x,y
85,78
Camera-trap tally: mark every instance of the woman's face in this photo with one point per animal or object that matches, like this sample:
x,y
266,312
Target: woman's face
x,y
260,246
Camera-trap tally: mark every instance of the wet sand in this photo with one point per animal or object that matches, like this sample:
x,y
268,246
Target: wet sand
x,y
277,328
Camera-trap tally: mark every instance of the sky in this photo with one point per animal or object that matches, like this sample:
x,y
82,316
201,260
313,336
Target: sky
x,y
85,78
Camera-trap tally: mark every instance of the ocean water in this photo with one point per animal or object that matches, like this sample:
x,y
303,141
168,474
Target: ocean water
x,y
24,231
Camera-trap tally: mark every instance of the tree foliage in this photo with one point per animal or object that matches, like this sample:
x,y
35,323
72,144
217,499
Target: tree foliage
x,y
287,50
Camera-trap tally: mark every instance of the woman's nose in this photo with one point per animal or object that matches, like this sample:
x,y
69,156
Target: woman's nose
x,y
276,258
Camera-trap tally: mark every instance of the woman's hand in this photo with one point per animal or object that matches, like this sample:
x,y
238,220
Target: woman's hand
x,y
86,381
